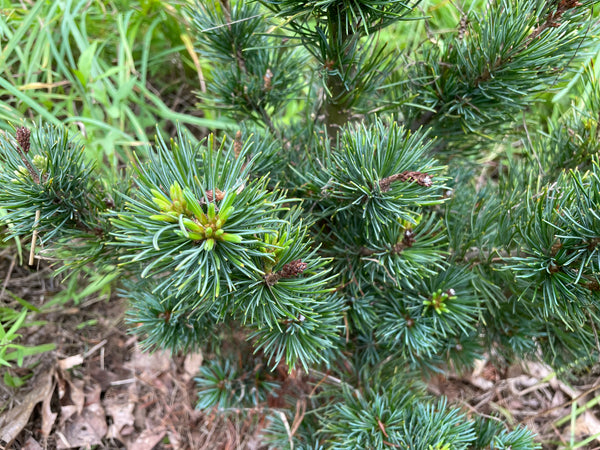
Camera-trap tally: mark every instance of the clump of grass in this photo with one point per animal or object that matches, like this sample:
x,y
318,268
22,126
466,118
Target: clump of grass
x,y
116,70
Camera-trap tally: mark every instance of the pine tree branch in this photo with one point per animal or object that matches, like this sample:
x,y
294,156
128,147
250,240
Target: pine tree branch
x,y
335,112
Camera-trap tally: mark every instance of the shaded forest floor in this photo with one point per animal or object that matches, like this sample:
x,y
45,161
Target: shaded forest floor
x,y
97,389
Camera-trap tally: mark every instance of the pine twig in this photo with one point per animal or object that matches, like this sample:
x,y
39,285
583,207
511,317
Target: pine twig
x,y
34,238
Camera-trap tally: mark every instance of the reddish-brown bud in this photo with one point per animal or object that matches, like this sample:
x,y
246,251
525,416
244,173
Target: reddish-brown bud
x,y
23,136
289,270
421,178
267,80
237,144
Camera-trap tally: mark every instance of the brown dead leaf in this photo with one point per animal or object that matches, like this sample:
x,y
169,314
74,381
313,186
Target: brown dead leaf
x,y
15,419
103,377
93,392
156,362
32,444
48,417
587,425
558,399
85,429
70,362
148,439
73,398
120,407
191,365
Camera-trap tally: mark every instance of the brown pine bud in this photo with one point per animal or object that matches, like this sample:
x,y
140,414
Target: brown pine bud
x,y
237,144
408,240
289,270
23,138
215,197
593,286
267,80
553,267
293,269
421,178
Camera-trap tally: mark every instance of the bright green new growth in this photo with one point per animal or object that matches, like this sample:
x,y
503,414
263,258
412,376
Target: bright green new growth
x,y
380,214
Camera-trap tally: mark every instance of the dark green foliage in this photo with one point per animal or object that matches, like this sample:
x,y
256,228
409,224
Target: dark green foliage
x,y
352,68
556,273
418,320
325,255
167,321
379,174
254,77
485,74
222,386
396,415
44,172
195,212
219,235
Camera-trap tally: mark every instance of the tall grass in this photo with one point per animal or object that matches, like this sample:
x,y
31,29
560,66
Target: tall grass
x,y
116,70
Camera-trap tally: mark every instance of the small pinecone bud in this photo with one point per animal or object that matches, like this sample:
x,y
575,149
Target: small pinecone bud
x,y
553,267
593,286
464,23
272,278
237,144
293,269
409,238
555,248
364,251
23,135
407,241
267,80
421,178
220,195
289,270
568,4
109,202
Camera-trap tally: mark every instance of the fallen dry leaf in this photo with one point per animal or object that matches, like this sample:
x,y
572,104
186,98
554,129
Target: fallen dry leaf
x,y
191,365
586,425
93,392
15,419
48,417
72,398
148,439
159,361
85,429
70,362
120,407
32,444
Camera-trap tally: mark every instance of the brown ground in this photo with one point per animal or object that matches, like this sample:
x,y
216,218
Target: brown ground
x,y
97,388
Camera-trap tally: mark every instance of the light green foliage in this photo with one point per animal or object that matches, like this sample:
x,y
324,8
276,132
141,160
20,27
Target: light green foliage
x,y
11,350
94,65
